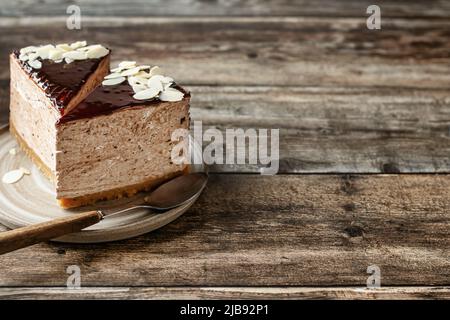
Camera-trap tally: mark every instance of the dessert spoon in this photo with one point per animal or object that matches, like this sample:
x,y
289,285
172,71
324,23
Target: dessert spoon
x,y
169,195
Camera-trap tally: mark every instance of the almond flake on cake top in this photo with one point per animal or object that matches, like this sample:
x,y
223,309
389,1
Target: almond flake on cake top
x,y
61,52
146,84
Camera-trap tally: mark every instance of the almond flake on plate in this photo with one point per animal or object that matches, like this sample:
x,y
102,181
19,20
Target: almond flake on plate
x,y
112,82
146,94
13,151
12,176
171,95
25,171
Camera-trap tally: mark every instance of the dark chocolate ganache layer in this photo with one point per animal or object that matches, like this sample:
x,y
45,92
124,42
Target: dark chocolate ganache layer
x,y
60,81
107,99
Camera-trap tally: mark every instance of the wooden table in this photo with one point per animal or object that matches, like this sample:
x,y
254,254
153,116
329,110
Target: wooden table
x,y
364,118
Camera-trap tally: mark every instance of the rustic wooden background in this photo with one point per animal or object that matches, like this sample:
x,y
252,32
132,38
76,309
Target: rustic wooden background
x,y
364,119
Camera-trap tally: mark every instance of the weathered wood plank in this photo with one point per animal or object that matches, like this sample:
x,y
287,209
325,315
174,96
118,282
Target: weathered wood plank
x,y
247,230
262,51
182,293
340,129
354,8
322,130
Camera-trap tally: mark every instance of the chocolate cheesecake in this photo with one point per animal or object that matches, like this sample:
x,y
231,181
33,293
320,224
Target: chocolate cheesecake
x,y
96,135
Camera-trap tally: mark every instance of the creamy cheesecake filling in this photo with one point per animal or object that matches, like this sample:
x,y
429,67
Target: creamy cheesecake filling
x,y
128,147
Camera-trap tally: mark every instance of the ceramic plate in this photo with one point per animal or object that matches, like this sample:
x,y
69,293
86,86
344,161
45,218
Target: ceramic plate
x,y
32,200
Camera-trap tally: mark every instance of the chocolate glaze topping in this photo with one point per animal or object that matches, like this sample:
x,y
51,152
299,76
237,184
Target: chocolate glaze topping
x,y
60,81
107,99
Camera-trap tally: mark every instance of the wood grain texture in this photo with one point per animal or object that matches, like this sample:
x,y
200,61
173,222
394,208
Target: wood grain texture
x,y
354,8
253,293
337,129
346,100
261,51
249,230
331,130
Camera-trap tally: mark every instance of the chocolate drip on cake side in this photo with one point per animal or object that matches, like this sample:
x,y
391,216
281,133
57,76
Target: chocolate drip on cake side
x,y
107,99
60,81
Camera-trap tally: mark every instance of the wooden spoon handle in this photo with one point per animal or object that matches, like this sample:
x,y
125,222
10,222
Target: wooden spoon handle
x,y
27,236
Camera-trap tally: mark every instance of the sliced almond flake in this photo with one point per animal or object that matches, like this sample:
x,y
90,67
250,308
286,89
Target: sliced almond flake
x,y
171,95
59,61
155,82
113,75
13,152
28,49
44,51
130,72
138,87
112,82
90,46
127,64
145,67
156,71
12,176
68,60
117,70
97,52
25,171
167,85
146,94
32,56
23,57
64,46
167,80
78,44
35,64
55,54
75,55
137,80
143,74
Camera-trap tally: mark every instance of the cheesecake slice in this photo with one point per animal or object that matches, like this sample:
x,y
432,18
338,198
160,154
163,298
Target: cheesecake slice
x,y
117,141
46,83
96,135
